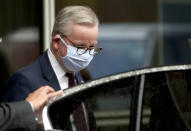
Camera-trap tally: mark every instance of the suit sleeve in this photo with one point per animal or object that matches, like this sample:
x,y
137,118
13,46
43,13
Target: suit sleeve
x,y
17,115
17,88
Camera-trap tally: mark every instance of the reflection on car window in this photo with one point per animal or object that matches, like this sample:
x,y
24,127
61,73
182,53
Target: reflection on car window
x,y
107,106
112,108
179,87
166,102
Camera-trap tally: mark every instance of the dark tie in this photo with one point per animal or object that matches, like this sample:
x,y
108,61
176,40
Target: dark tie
x,y
78,113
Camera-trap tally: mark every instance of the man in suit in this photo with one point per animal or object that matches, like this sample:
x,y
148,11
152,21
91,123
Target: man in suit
x,y
18,115
73,46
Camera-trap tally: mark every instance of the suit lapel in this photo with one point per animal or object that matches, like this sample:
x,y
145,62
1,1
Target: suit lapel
x,y
48,72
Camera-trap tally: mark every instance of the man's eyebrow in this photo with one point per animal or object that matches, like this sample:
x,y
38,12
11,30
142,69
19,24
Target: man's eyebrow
x,y
80,44
83,44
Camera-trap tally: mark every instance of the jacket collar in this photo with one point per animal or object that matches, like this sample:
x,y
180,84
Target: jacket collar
x,y
48,72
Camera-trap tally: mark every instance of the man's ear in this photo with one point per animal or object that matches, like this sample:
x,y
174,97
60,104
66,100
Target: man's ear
x,y
55,38
55,41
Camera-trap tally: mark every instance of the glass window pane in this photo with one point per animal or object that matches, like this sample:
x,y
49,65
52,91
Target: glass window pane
x,y
20,35
166,103
107,106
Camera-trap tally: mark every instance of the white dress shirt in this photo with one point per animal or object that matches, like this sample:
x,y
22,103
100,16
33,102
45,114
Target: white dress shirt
x,y
59,71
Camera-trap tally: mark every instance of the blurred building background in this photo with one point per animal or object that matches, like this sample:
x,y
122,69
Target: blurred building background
x,y
133,33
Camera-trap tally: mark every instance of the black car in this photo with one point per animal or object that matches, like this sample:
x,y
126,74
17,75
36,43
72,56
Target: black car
x,y
149,99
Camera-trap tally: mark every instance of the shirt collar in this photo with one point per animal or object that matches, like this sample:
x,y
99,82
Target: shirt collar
x,y
59,71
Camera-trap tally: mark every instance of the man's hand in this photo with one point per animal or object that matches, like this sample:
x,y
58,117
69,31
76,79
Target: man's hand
x,y
39,97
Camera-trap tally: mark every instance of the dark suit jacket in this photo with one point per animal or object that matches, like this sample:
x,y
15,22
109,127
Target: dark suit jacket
x,y
30,78
16,116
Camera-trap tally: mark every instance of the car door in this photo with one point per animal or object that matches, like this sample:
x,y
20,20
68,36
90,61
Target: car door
x,y
145,99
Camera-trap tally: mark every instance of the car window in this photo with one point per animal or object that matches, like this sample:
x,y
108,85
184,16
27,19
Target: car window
x,y
167,102
108,104
150,99
112,108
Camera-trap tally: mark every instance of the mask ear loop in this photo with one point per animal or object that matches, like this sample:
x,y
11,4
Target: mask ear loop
x,y
62,40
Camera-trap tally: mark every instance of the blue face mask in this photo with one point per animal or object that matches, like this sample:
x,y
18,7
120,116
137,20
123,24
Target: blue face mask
x,y
74,62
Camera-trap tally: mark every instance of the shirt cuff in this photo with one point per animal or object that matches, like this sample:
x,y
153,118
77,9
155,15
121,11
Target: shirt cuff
x,y
31,105
36,119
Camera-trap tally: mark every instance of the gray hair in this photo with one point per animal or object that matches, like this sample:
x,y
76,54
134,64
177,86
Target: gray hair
x,y
74,15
